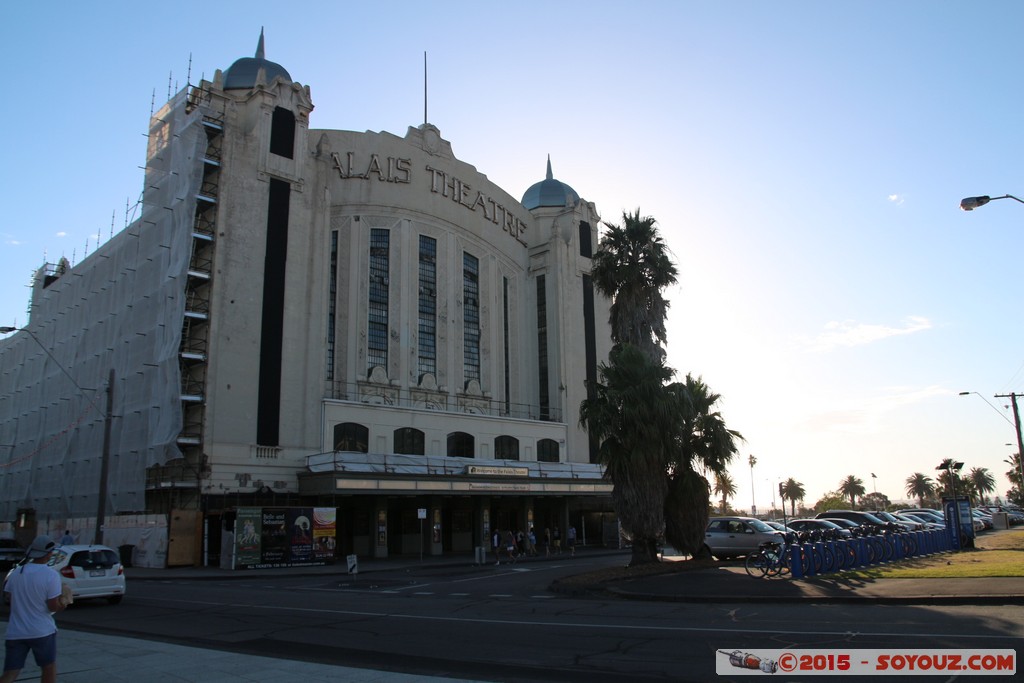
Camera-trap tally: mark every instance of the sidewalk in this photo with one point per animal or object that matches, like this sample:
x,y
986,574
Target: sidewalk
x,y
84,657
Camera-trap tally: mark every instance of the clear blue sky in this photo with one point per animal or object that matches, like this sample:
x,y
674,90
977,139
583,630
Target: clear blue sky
x,y
804,160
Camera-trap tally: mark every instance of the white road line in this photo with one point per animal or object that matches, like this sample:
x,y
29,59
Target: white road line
x,y
588,624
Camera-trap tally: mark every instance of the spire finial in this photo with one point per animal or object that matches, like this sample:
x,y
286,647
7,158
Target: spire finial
x,y
259,46
549,168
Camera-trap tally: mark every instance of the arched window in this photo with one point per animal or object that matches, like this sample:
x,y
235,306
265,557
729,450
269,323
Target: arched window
x,y
547,450
409,441
461,445
506,448
351,436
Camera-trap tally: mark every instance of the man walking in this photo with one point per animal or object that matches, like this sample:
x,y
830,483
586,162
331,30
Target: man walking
x,y
34,590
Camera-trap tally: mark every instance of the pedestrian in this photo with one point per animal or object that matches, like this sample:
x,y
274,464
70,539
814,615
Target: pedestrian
x,y
67,538
34,591
531,542
496,545
510,546
570,538
547,541
558,541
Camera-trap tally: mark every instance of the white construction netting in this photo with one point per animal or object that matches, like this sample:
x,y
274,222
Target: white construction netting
x,y
120,309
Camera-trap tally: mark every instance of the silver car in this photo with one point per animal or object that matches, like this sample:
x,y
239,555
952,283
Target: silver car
x,y
727,537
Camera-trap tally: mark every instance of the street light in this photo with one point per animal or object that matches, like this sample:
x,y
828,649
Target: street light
x,y
101,510
972,203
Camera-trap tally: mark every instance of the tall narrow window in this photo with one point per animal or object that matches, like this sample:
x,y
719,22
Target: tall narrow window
x,y
471,317
590,346
332,303
586,244
282,133
377,334
427,340
508,391
542,348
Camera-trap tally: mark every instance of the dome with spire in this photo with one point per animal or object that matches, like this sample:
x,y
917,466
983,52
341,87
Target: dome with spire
x,y
549,192
242,74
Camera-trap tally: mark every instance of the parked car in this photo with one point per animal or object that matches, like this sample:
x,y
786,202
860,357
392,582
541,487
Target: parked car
x,y
729,537
855,516
905,525
820,525
91,571
10,553
927,523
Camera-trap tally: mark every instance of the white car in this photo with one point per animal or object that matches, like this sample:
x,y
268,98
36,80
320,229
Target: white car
x,y
728,537
90,571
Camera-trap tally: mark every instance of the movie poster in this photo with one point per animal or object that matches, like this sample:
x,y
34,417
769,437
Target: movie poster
x,y
275,538
248,527
300,538
325,540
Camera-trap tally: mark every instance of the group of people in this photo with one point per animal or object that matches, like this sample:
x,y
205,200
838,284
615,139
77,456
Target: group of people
x,y
515,544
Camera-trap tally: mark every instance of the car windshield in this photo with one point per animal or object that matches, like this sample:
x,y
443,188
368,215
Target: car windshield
x,y
758,525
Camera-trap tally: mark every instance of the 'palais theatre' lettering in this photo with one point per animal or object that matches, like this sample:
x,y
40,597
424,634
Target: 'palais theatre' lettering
x,y
394,170
461,193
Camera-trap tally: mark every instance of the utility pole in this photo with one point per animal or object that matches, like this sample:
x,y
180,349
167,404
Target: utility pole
x,y
101,510
1020,441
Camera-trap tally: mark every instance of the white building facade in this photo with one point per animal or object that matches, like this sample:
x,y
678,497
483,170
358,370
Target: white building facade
x,y
315,317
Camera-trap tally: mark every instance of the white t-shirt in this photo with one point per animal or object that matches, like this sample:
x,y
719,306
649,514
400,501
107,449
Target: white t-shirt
x,y
30,586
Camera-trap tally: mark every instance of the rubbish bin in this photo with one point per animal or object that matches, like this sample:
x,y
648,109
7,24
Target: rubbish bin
x,y
1000,520
126,555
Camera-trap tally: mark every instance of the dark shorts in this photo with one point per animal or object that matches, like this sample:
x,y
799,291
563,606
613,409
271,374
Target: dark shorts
x,y
44,649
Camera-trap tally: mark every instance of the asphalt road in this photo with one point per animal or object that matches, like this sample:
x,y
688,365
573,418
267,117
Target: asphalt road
x,y
502,624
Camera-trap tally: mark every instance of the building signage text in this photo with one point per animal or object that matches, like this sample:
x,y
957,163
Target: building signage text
x,y
399,170
490,471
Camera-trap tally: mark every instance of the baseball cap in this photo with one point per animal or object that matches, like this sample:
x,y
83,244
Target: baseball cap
x,y
41,547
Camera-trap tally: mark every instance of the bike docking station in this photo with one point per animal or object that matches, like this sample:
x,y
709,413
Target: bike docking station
x,y
958,509
810,555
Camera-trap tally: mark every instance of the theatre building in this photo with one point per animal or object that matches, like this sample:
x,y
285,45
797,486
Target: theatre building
x,y
356,322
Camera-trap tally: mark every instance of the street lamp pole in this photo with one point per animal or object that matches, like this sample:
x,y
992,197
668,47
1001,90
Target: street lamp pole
x,y
101,509
753,499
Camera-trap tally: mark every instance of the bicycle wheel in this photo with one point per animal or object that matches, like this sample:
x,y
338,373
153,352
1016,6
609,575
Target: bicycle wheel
x,y
774,564
756,564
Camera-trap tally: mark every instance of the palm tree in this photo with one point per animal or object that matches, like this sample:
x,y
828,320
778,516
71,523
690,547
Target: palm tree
x,y
725,487
632,267
631,414
983,482
792,490
852,487
702,443
633,418
920,486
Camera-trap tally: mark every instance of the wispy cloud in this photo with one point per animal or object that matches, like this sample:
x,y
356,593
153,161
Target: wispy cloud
x,y
849,333
864,415
62,234
896,199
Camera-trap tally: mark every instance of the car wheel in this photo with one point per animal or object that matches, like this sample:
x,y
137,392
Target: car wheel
x,y
115,599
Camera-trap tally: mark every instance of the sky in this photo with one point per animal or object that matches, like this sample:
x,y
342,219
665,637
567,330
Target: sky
x,y
804,161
